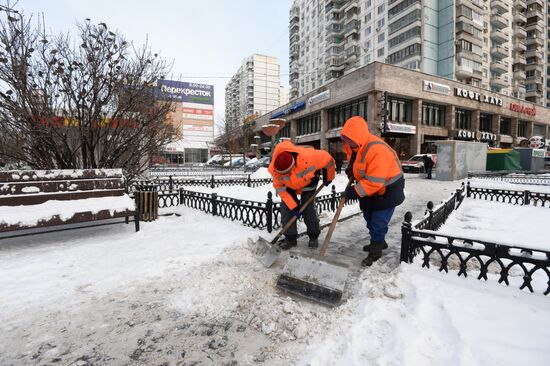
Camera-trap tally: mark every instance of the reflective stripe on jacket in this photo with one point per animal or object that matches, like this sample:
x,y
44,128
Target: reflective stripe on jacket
x,y
376,164
308,161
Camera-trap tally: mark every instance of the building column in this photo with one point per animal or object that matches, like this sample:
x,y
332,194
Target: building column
x,y
514,128
495,127
416,119
450,118
475,120
373,114
293,130
529,130
324,129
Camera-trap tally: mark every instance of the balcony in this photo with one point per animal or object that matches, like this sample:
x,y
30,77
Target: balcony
x,y
498,82
499,67
465,72
533,93
351,27
498,20
500,36
519,59
538,41
519,89
520,4
534,53
534,66
533,12
519,75
500,5
519,46
500,52
531,2
520,33
519,18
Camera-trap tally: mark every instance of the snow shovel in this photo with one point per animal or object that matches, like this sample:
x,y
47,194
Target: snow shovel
x,y
267,252
313,277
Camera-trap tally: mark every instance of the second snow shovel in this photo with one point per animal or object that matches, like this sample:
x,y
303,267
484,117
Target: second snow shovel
x,y
266,251
313,277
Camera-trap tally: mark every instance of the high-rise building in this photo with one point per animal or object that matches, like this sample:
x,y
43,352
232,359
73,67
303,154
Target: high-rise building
x,y
253,90
498,45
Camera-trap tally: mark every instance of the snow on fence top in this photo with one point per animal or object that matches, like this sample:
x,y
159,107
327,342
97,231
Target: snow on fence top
x,y
60,174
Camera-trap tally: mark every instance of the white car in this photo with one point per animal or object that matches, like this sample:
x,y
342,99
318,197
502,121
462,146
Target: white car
x,y
416,163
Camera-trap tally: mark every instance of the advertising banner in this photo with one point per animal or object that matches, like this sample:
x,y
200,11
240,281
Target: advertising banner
x,y
181,91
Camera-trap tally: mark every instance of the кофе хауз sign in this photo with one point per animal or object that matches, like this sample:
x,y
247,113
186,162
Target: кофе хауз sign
x,y
472,95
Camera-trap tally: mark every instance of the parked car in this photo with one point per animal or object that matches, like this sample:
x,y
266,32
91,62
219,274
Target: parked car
x,y
236,162
262,162
416,164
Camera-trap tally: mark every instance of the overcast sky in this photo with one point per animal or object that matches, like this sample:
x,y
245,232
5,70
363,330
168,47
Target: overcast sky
x,y
206,39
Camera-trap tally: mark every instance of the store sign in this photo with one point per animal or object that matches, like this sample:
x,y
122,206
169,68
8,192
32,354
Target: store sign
x,y
472,95
488,136
293,108
181,91
398,128
321,97
437,88
530,111
465,134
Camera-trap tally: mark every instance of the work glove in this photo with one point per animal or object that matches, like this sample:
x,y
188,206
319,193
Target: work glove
x,y
349,171
350,193
296,213
326,181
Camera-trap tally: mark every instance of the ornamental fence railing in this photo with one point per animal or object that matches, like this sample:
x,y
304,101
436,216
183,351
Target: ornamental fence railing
x,y
260,215
174,184
510,264
533,178
189,171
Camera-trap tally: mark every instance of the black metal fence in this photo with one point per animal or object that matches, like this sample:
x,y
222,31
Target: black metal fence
x,y
260,215
532,178
171,185
511,264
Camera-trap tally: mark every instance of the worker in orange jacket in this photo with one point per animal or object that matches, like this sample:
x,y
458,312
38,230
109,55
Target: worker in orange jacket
x,y
296,172
379,182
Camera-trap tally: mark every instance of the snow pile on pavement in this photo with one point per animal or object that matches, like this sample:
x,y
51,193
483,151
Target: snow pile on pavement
x,y
502,223
490,184
414,316
31,215
261,173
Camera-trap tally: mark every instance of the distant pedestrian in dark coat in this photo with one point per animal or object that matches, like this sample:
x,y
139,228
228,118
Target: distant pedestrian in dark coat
x,y
428,165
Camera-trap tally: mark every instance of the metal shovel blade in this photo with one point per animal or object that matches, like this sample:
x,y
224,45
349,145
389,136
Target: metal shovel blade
x,y
266,252
314,278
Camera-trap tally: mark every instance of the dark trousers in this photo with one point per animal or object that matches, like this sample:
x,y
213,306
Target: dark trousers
x,y
377,223
429,172
309,215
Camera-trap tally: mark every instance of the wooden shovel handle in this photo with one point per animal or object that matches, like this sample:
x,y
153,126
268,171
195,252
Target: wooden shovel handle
x,y
334,221
294,218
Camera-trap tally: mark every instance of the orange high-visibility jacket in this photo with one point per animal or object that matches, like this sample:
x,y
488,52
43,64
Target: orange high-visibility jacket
x,y
376,164
307,162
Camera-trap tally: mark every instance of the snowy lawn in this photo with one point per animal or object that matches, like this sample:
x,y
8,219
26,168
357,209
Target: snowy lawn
x,y
187,290
524,226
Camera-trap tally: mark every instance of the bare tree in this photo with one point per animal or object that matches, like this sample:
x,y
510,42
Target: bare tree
x,y
85,102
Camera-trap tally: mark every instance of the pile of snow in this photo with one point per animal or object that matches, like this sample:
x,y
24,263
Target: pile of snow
x,y
31,215
502,223
415,316
490,184
261,173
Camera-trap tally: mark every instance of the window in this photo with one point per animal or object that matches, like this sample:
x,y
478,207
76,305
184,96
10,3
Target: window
x,y
368,44
381,52
400,7
485,122
337,116
405,21
404,53
368,17
380,23
368,31
463,119
399,109
309,124
381,37
506,126
433,114
522,129
411,33
380,9
369,3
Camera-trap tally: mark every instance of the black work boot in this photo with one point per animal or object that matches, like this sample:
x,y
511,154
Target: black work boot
x,y
374,254
367,247
313,243
289,242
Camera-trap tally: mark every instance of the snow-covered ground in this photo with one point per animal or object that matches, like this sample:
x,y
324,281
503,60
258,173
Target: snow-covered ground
x,y
503,223
491,184
186,290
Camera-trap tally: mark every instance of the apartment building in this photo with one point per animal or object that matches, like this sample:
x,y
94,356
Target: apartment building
x,y
254,90
497,45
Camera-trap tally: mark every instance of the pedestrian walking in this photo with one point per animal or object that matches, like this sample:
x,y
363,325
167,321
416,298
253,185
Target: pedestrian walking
x,y
296,172
428,165
379,182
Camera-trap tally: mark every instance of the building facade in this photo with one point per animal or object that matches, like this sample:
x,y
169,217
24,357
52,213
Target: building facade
x,y
422,109
497,45
253,90
193,117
